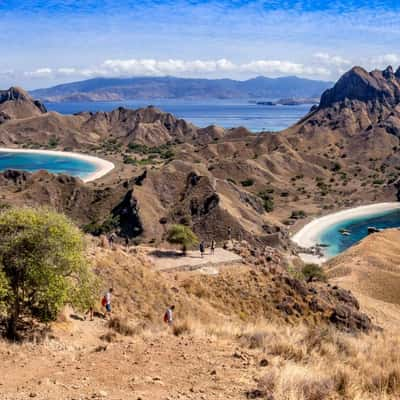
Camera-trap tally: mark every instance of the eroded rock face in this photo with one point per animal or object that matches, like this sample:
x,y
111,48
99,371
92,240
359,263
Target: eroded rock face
x,y
358,84
338,305
16,103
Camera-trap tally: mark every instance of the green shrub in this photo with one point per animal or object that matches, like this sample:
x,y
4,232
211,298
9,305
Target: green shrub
x,y
268,201
183,235
53,142
107,226
336,167
298,214
247,182
313,272
42,266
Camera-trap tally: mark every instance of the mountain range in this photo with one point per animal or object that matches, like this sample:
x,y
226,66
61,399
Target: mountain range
x,y
118,89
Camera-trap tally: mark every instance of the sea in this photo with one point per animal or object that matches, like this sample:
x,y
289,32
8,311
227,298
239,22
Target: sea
x,y
228,114
58,164
358,228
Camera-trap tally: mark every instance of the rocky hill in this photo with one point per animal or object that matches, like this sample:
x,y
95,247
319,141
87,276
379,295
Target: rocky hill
x,y
373,275
106,89
257,186
16,103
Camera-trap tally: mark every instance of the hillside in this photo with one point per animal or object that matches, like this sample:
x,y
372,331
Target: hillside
x,y
343,153
249,332
105,89
373,275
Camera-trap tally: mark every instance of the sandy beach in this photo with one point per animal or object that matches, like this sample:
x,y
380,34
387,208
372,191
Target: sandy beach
x,y
308,236
103,167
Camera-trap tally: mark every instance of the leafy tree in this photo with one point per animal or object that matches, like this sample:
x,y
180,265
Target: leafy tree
x,y
313,272
183,235
42,266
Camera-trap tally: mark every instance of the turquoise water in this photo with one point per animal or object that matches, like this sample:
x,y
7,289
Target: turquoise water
x,y
228,114
358,230
58,164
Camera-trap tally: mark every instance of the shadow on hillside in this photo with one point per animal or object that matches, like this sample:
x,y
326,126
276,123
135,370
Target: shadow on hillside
x,y
166,254
171,254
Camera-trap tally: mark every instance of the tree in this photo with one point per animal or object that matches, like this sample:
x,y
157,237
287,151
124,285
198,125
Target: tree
x,y
313,272
183,235
42,266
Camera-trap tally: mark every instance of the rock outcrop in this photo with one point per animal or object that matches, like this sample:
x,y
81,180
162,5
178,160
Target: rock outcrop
x,y
358,84
16,103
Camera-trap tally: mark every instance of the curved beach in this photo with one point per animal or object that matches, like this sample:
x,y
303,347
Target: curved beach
x,y
309,235
103,167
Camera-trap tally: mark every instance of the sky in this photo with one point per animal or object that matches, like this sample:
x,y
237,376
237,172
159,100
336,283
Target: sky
x,y
46,42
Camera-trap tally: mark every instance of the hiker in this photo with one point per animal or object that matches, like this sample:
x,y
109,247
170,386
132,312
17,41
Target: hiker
x,y
201,248
106,302
168,316
111,240
90,311
212,246
229,233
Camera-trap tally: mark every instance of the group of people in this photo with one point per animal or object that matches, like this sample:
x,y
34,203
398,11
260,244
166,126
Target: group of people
x,y
202,247
168,315
106,305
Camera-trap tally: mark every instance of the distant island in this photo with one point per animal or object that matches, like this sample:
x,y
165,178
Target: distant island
x,y
122,89
288,102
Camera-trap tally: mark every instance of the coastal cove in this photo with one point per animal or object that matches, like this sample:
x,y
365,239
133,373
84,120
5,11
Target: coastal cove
x,y
338,231
86,167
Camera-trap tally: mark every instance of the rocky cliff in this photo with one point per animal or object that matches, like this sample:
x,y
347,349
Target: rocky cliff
x,y
16,103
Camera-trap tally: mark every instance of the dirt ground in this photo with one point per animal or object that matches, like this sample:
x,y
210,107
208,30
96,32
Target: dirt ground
x,y
77,364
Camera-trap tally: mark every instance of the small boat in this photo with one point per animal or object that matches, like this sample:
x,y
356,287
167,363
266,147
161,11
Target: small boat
x,y
345,232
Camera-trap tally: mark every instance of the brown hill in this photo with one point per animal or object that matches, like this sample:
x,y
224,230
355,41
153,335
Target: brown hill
x,y
342,154
371,269
16,103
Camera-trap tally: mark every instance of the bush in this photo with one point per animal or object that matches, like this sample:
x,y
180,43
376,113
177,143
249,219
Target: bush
x,y
247,182
268,200
108,225
313,272
298,214
183,235
53,142
42,266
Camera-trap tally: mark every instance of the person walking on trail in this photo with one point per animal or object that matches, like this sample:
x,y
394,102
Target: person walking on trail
x,y
229,233
212,246
106,302
111,240
168,316
201,248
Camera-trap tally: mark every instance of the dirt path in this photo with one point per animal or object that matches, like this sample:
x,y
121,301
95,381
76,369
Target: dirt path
x,y
165,260
156,365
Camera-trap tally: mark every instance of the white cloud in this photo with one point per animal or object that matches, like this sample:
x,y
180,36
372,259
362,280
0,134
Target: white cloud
x,y
328,59
384,60
321,65
40,73
177,67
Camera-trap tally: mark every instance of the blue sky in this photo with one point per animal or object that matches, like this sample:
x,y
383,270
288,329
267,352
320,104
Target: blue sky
x,y
47,42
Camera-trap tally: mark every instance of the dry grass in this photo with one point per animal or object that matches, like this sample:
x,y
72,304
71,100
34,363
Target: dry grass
x,y
121,326
307,363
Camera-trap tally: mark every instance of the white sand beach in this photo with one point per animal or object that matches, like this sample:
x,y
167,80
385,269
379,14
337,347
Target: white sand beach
x,y
103,167
308,236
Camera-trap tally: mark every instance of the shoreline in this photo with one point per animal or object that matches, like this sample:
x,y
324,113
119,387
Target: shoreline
x,y
308,236
103,167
